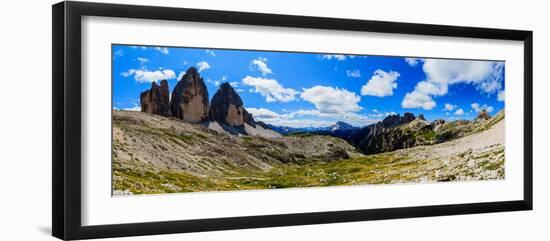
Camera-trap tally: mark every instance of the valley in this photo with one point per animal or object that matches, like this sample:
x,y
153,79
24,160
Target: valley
x,y
155,154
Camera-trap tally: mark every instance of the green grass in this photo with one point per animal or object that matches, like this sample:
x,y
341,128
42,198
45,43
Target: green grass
x,y
426,135
140,178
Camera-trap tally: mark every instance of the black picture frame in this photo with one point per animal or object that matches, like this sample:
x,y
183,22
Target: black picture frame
x,y
66,169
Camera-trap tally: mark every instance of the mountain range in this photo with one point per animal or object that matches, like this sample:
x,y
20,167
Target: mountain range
x,y
225,113
181,141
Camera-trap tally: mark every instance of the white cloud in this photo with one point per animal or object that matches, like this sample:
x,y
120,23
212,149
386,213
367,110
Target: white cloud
x,y
493,83
234,84
443,71
413,61
501,95
162,50
260,64
210,52
353,73
382,115
118,53
135,108
141,47
270,89
417,99
214,82
218,82
146,76
430,88
339,57
459,112
142,60
308,118
449,107
353,118
203,65
332,100
478,108
486,76
263,113
299,123
271,117
313,117
380,84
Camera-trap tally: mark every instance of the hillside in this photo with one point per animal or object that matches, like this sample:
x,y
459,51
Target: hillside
x,y
156,154
146,144
398,132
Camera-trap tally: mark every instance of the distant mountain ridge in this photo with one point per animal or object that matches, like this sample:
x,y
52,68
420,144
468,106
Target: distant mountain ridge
x,y
398,132
341,126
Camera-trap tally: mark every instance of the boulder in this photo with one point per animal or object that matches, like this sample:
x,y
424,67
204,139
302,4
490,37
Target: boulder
x,y
483,115
227,108
190,98
156,99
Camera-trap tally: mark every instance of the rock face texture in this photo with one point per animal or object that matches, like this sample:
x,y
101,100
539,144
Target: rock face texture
x,y
249,119
395,120
190,98
341,126
227,108
392,133
407,131
437,124
483,115
156,99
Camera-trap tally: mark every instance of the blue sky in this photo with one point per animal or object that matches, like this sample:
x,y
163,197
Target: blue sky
x,y
316,89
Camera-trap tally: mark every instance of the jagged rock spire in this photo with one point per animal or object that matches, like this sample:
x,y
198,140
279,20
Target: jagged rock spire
x,y
156,99
483,115
227,108
190,98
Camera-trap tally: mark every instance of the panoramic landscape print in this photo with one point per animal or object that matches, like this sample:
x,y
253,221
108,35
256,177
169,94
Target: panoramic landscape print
x,y
203,120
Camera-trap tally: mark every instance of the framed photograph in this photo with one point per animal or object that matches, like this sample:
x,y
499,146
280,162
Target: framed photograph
x,y
170,120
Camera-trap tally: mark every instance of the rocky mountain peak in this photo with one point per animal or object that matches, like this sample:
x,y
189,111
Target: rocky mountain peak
x,y
418,123
190,98
156,100
227,108
225,86
436,124
483,115
340,125
408,117
192,71
395,120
